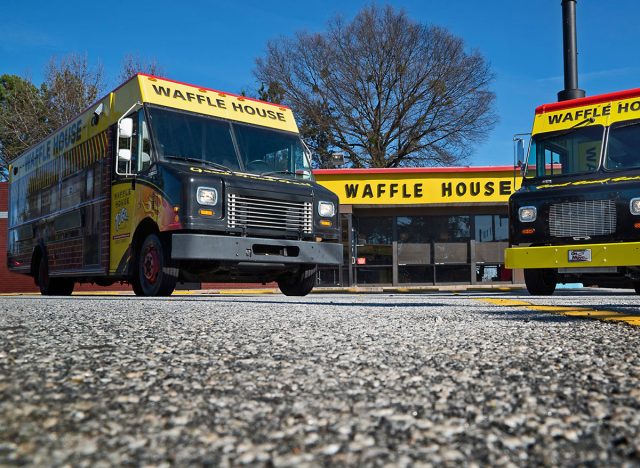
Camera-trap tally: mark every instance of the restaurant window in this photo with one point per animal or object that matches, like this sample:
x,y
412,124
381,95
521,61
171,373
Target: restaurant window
x,y
501,223
451,248
414,250
489,228
374,250
491,234
433,249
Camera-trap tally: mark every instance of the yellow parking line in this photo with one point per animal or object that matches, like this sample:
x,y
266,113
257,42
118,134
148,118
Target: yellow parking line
x,y
580,312
247,291
504,302
21,294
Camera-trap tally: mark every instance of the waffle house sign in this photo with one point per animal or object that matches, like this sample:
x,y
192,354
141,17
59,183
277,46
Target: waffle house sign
x,y
418,186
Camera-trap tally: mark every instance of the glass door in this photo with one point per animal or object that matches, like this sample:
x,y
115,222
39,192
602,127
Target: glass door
x,y
491,235
373,250
414,258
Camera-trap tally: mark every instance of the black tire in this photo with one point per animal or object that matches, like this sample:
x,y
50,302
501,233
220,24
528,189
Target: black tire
x,y
151,275
300,283
540,281
52,286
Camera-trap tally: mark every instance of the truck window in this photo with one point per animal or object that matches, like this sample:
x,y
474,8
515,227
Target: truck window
x,y
263,150
144,143
128,166
139,144
623,147
182,135
566,152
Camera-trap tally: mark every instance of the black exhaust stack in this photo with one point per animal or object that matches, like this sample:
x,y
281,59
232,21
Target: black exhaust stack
x,y
570,49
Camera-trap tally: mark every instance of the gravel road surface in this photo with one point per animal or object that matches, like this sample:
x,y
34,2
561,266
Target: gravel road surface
x,y
266,380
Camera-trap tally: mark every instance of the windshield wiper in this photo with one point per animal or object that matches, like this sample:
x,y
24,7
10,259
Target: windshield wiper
x,y
216,165
570,130
296,173
277,172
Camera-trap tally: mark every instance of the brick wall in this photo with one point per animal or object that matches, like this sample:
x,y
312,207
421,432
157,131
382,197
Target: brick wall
x,y
9,282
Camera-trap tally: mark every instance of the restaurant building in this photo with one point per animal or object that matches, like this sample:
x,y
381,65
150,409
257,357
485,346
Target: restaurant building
x,y
422,226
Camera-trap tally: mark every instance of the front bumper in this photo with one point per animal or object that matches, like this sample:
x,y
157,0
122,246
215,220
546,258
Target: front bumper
x,y
253,249
558,256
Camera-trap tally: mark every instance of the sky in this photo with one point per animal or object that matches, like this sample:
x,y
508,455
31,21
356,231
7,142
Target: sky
x,y
215,44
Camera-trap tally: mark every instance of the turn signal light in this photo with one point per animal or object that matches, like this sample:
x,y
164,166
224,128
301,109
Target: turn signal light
x,y
325,222
206,212
636,225
528,231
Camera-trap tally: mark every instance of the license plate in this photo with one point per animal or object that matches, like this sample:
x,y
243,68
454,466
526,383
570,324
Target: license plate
x,y
582,255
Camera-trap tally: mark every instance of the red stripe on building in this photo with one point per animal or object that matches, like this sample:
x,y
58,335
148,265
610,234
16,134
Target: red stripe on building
x,y
416,170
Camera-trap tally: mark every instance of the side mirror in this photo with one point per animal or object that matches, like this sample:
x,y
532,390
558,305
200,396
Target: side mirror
x,y
519,156
97,113
520,149
126,128
523,169
336,159
124,155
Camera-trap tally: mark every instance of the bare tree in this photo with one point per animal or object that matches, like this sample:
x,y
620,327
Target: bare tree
x,y
70,86
385,90
131,65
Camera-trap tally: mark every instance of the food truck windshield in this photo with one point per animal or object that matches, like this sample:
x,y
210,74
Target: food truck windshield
x,y
565,152
229,145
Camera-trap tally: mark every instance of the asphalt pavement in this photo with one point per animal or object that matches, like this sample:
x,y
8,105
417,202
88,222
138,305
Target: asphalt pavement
x,y
330,379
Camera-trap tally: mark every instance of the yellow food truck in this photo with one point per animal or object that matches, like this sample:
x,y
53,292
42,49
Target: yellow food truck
x,y
162,181
576,218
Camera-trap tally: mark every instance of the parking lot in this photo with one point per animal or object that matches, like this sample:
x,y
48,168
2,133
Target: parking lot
x,y
329,379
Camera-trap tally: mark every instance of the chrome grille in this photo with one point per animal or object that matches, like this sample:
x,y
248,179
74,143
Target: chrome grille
x,y
265,213
583,218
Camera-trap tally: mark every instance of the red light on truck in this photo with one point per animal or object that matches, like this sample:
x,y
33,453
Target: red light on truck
x,y
528,231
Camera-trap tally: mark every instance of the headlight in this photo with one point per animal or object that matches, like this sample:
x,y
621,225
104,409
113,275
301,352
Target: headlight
x,y
326,209
207,196
527,214
634,206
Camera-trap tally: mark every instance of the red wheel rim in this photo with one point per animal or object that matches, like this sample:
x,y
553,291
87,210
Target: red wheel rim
x,y
151,264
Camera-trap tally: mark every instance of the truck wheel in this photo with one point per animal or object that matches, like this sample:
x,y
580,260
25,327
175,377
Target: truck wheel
x,y
52,286
300,283
151,276
540,281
